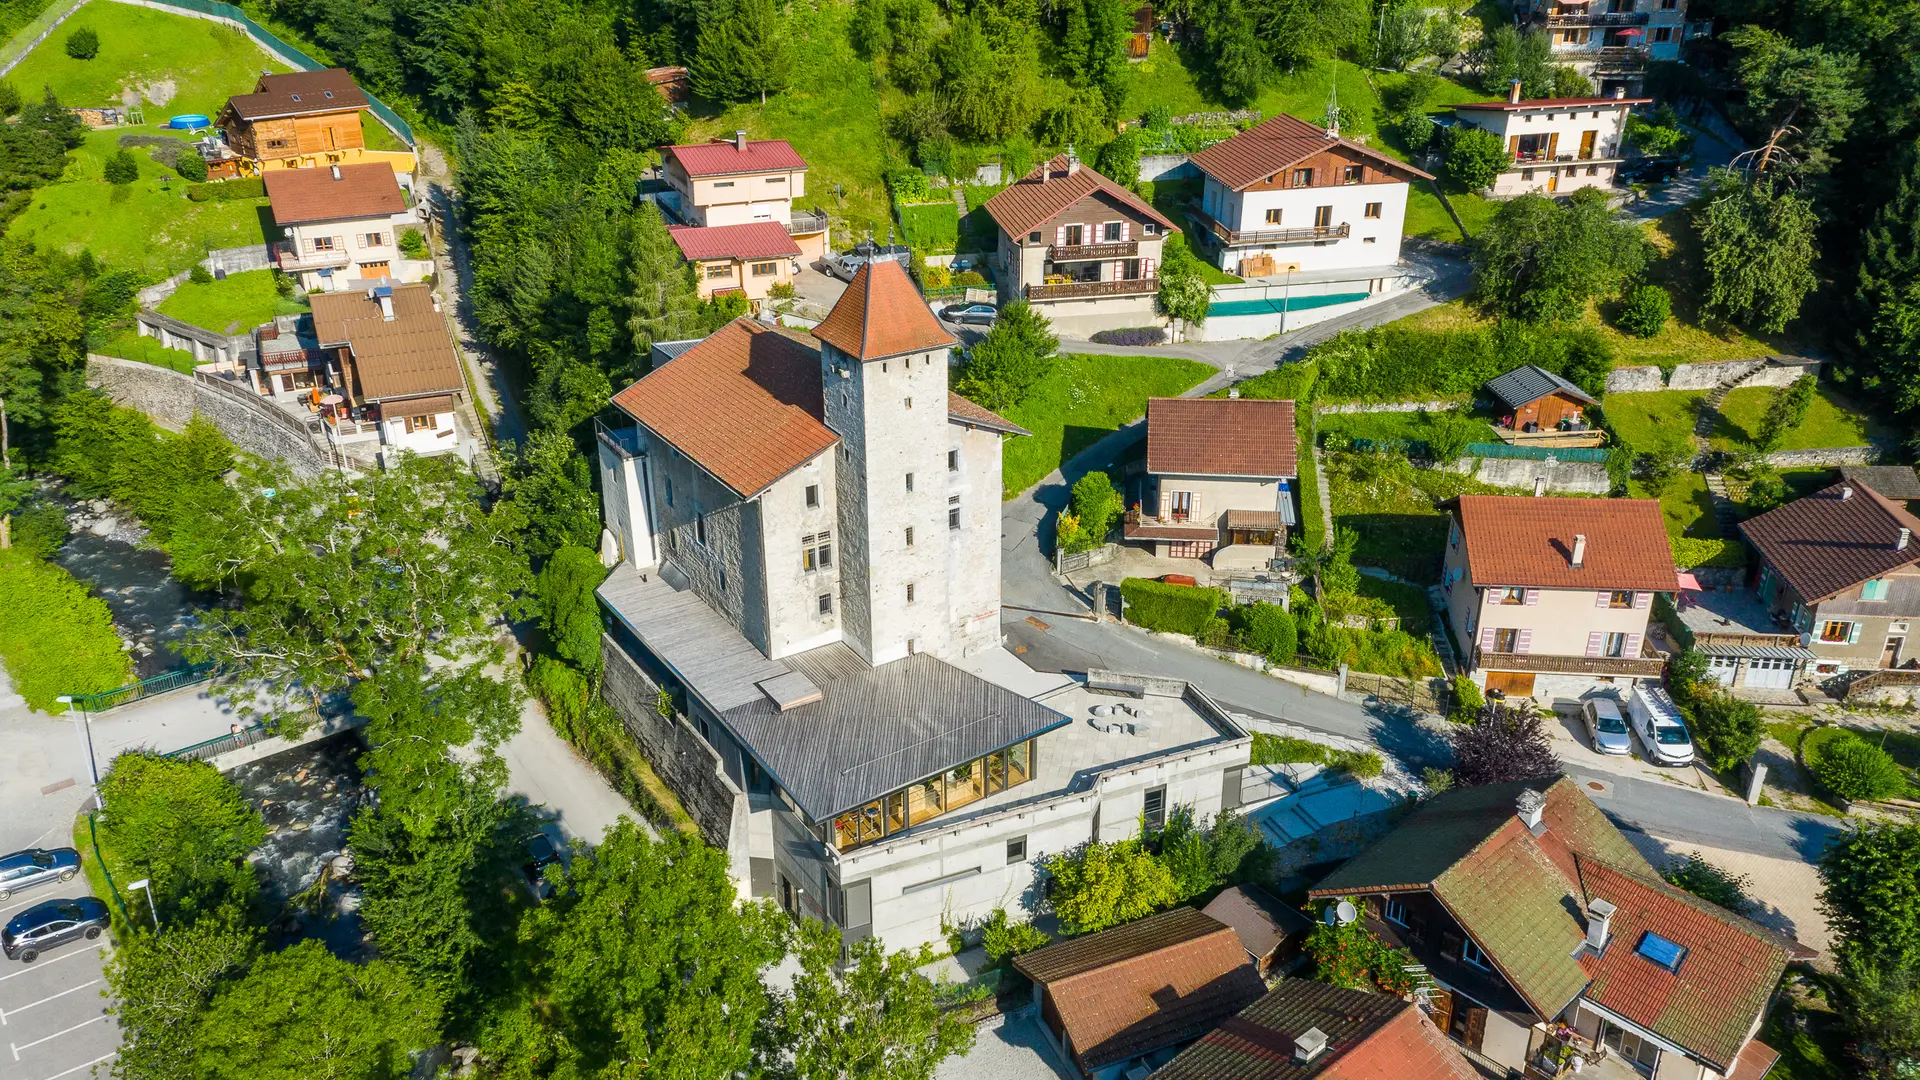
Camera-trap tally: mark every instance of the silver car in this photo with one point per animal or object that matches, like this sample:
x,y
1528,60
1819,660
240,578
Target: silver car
x,y
36,866
1606,728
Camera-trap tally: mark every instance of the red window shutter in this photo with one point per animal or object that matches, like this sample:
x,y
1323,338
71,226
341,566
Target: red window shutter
x,y
1486,638
1533,597
1596,640
1603,598
1633,646
1642,599
1523,642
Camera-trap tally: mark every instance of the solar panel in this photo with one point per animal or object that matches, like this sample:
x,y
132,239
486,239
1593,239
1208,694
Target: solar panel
x,y
1661,951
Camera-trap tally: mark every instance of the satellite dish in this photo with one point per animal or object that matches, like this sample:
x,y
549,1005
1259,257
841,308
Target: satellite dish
x,y
1340,914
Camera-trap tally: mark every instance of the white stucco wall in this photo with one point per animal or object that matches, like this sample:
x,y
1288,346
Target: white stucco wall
x,y
794,620
438,440
1565,129
1374,241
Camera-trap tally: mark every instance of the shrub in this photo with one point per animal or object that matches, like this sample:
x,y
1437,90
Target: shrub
x,y
200,275
83,44
1855,769
9,99
907,185
969,278
55,638
122,167
1096,504
413,244
1286,750
1476,158
1692,553
1416,131
282,283
1132,335
1645,312
781,290
1106,884
1467,700
1269,630
1350,955
1501,745
191,167
251,187
1727,729
1364,764
1176,609
1005,940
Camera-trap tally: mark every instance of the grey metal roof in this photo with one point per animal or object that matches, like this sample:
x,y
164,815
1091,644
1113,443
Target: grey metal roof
x,y
1892,481
663,351
1530,383
1760,652
879,729
703,649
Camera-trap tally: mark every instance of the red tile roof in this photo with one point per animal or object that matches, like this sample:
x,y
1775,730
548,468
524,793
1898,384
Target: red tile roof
x,y
1723,982
1277,143
1754,1061
744,404
962,411
299,93
300,196
1136,988
754,240
1517,540
881,314
1826,543
1369,1037
722,158
1220,437
1041,195
1552,103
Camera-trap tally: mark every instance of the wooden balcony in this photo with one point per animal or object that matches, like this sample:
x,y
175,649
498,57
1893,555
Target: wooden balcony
x,y
1883,677
1307,235
1601,18
1118,249
1621,60
1085,290
1640,667
291,259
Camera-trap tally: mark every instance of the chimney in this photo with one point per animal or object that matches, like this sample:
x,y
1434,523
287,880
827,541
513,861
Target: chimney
x,y
1906,537
1599,917
1073,160
1579,550
1532,808
1234,393
1619,92
336,172
1539,487
1311,1044
740,141
1846,493
386,308
1513,92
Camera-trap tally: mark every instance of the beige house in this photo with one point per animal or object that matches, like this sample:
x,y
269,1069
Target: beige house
x,y
1220,481
1558,145
749,259
342,226
1083,250
1552,596
740,181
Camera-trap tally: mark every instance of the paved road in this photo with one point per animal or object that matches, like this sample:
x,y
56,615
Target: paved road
x,y
53,1018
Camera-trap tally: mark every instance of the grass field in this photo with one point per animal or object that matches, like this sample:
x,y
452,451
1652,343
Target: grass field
x,y
1395,509
1639,420
179,65
1086,398
237,304
933,228
1833,421
1686,505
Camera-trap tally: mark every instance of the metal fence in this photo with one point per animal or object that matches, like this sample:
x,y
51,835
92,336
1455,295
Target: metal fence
x,y
1593,454
218,745
145,688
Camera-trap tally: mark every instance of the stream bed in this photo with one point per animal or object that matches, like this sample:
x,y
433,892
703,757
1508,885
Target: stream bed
x,y
152,611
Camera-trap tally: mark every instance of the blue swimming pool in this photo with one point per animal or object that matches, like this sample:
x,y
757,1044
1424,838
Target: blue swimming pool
x,y
189,121
1278,304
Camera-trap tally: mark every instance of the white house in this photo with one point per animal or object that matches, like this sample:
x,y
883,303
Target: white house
x,y
342,226
388,375
1612,41
1558,145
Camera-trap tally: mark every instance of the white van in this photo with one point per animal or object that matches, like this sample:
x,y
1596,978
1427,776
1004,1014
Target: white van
x,y
1662,730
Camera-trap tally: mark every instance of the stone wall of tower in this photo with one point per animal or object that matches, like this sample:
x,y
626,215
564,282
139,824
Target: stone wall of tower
x,y
712,536
973,549
790,516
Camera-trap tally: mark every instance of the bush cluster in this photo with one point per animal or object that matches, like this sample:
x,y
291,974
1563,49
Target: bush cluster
x,y
1395,363
1174,609
1105,884
57,638
1855,769
1286,750
1645,310
1694,553
1132,335
250,187
83,44
122,167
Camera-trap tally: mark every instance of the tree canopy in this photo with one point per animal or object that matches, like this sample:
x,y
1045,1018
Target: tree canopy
x,y
1545,259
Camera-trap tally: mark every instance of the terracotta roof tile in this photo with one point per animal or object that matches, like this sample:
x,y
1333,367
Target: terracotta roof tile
x,y
1220,437
410,354
1038,197
744,404
1259,919
1369,1037
299,93
753,240
722,158
300,196
881,314
1723,982
1754,1061
1825,543
962,411
1276,143
1136,988
1517,540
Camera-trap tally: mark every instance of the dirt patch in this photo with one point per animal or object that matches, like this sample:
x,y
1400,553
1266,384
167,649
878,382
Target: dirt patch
x,y
157,93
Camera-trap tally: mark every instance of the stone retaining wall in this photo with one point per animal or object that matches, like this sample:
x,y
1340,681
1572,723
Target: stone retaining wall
x,y
1391,407
233,260
171,399
1828,455
1778,371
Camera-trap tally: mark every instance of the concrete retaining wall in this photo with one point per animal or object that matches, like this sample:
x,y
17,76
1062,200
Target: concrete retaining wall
x,y
688,765
1168,167
1567,477
171,399
233,260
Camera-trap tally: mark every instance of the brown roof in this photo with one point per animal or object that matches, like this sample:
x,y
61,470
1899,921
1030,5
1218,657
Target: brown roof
x,y
962,411
1039,196
1826,543
299,93
1552,103
1276,143
338,193
1220,437
881,314
1146,985
1369,1037
409,354
1518,540
753,240
1754,1061
1259,920
722,158
417,406
744,404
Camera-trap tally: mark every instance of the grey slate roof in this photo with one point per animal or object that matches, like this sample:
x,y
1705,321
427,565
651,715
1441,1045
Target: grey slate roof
x,y
690,638
1893,481
1524,384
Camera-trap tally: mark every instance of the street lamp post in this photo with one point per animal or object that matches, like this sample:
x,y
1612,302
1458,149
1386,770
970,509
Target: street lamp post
x,y
145,885
85,734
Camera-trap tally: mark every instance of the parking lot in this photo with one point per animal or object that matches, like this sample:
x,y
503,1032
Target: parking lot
x,y
53,1017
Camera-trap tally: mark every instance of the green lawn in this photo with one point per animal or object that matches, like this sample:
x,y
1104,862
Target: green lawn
x,y
129,345
1833,421
1638,420
932,228
1383,426
148,225
1686,505
1395,509
179,65
1084,399
1408,601
235,305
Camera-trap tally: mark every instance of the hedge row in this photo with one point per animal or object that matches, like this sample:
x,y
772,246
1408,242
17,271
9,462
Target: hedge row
x,y
1176,609
1695,554
251,187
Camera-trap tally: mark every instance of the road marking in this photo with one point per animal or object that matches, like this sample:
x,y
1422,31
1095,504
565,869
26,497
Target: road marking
x,y
17,1047
31,968
84,1065
4,1013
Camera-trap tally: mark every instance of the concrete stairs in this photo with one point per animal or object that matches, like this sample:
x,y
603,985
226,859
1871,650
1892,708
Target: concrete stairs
x,y
1721,488
959,193
1709,415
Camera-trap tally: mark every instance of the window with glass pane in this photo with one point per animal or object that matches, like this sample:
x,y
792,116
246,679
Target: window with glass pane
x,y
996,771
896,811
966,784
1019,763
924,800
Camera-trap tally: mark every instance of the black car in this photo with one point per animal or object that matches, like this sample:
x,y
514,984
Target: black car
x,y
978,314
1649,170
55,922
36,866
541,853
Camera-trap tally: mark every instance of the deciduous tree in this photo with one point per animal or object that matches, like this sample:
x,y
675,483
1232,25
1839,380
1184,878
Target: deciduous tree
x,y
1544,259
1787,409
1475,158
551,485
1871,894
161,984
568,612
1015,356
184,827
1105,884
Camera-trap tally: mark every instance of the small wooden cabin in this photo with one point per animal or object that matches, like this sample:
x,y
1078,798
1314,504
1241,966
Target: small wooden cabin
x,y
299,114
1534,399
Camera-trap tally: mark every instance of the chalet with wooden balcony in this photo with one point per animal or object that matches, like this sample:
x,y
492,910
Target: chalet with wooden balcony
x,y
1553,948
1220,480
1558,145
1079,247
300,120
341,226
1551,596
1286,197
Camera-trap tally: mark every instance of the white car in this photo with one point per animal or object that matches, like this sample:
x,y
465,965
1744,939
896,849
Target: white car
x,y
1662,730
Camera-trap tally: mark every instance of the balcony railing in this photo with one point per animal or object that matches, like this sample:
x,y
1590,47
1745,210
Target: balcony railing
x,y
1079,290
806,221
290,259
1609,152
1118,249
1644,667
1702,639
1309,234
1601,18
1621,59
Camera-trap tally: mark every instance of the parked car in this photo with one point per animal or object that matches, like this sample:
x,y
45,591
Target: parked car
x,y
1661,729
542,852
844,266
55,922
1649,171
977,314
1606,728
36,866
